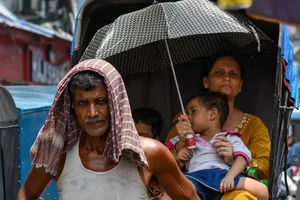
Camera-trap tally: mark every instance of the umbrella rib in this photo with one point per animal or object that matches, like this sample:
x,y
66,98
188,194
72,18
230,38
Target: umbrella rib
x,y
256,37
175,78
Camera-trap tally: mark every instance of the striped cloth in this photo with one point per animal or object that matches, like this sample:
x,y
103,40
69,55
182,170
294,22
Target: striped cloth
x,y
61,129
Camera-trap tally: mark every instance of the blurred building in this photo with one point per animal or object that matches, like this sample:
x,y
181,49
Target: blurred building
x,y
30,53
55,14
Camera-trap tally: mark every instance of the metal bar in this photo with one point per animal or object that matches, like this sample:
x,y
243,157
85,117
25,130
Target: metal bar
x,y
277,117
175,78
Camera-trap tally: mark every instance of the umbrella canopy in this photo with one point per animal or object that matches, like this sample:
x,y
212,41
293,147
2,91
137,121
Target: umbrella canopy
x,y
136,42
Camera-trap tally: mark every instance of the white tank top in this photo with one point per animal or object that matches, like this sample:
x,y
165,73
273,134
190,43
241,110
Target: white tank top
x,y
78,183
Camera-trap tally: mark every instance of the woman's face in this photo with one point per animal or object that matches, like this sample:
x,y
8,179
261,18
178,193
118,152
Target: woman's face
x,y
224,77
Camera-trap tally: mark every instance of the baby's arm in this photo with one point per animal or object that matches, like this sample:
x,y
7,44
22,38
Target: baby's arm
x,y
237,167
180,145
182,156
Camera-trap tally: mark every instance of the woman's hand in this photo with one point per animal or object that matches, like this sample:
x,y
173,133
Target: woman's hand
x,y
224,149
183,127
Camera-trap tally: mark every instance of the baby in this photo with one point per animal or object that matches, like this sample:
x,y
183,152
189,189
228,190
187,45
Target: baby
x,y
206,169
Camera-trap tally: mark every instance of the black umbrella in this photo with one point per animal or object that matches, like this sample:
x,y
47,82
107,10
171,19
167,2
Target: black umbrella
x,y
164,34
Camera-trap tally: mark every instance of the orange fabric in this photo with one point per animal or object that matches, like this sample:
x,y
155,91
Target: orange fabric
x,y
173,132
238,195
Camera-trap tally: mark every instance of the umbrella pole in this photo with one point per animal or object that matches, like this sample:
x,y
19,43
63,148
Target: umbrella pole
x,y
175,78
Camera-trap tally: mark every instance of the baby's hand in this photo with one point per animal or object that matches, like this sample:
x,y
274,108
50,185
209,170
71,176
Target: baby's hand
x,y
183,155
183,127
227,184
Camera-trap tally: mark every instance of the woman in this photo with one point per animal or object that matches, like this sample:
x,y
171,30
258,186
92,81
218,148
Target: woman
x,y
225,76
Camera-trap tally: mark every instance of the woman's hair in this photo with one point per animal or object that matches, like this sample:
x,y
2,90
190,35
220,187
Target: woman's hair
x,y
216,100
215,57
149,116
85,80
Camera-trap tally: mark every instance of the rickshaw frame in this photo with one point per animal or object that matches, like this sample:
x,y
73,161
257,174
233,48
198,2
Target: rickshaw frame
x,y
282,108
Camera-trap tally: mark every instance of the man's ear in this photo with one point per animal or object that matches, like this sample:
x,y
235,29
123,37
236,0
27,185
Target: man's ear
x,y
214,113
205,82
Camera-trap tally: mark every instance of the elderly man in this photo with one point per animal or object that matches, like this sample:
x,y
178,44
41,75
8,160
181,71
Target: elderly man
x,y
90,146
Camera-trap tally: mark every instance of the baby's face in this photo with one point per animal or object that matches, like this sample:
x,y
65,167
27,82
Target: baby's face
x,y
198,115
144,130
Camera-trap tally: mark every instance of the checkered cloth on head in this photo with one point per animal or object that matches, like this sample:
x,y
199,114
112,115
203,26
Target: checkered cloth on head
x,y
61,130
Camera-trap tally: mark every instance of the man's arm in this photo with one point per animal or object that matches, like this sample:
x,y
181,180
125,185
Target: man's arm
x,y
35,184
164,167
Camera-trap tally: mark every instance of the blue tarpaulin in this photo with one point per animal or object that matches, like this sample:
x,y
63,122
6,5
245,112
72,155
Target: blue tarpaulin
x,y
291,74
32,104
75,40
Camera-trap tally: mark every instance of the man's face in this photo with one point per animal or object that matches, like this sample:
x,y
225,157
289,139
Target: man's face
x,y
92,110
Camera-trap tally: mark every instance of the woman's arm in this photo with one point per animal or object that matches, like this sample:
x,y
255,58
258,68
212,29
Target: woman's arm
x,y
259,146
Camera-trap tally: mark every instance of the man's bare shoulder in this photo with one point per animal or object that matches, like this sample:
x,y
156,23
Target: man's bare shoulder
x,y
154,149
150,144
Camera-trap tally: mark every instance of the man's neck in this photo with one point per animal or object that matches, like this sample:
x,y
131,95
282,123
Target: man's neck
x,y
92,143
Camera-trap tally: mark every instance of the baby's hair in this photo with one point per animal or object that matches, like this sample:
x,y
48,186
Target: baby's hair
x,y
212,100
